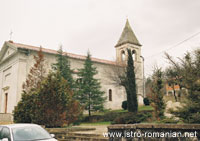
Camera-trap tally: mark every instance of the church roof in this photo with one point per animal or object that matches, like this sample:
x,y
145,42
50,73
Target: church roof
x,y
128,36
51,51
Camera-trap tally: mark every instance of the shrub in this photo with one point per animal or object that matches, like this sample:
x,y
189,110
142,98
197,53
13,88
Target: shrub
x,y
131,118
146,101
74,111
93,118
79,120
53,99
24,110
124,105
128,118
39,105
186,115
144,115
110,116
113,115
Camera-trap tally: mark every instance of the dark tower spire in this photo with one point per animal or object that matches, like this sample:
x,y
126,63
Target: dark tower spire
x,y
127,36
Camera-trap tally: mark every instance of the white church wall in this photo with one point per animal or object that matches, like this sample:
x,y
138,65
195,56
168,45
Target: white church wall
x,y
21,77
8,85
117,92
107,83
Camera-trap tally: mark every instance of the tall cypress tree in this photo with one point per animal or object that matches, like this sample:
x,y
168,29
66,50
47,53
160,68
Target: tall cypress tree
x,y
130,85
89,93
63,65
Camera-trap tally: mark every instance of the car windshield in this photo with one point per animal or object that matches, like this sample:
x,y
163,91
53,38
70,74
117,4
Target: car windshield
x,y
30,133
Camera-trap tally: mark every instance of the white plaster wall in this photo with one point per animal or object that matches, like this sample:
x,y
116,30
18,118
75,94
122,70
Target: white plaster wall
x,y
21,77
12,93
1,94
118,93
12,64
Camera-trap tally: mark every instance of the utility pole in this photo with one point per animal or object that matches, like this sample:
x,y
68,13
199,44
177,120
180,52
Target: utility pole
x,y
143,77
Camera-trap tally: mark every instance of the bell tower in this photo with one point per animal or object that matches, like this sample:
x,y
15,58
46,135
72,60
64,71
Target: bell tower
x,y
128,40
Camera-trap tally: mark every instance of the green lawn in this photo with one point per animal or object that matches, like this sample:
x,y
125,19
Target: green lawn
x,y
105,117
107,111
145,108
140,108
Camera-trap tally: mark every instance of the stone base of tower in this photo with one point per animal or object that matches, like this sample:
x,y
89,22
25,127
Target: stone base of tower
x,y
140,100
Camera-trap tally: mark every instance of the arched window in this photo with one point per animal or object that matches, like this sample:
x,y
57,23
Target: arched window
x,y
110,94
123,56
134,55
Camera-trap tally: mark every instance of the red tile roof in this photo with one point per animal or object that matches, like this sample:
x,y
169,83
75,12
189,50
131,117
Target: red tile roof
x,y
51,51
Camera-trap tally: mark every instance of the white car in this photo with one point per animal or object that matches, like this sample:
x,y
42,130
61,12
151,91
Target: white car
x,y
24,132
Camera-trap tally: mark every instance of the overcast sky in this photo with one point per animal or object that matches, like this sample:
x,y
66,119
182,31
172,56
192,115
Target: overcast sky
x,y
96,25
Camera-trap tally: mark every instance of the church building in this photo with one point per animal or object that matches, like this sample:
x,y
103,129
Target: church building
x,y
16,60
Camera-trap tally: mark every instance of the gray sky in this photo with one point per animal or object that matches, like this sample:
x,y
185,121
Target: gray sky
x,y
96,25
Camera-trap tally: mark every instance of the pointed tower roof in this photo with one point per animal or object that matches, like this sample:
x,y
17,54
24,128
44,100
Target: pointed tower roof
x,y
128,36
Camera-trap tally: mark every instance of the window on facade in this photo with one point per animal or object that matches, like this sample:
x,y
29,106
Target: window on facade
x,y
110,94
123,55
134,55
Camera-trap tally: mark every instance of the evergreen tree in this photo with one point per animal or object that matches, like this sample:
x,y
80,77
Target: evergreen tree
x,y
47,100
89,89
171,79
63,65
188,77
25,107
74,110
130,85
157,101
36,74
52,100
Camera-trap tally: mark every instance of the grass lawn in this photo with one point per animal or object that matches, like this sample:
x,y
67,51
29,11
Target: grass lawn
x,y
145,108
105,117
140,108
